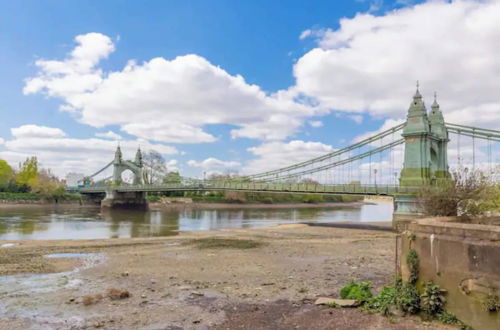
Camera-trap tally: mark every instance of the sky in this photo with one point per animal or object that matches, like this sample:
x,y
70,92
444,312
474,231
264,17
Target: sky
x,y
241,86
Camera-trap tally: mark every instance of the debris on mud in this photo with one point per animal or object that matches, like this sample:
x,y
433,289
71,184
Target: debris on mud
x,y
117,294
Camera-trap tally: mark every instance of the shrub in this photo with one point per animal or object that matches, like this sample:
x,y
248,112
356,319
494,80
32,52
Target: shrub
x,y
383,301
432,299
466,193
153,198
408,299
359,291
448,318
413,263
492,303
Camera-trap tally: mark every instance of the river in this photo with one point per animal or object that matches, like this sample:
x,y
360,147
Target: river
x,y
29,222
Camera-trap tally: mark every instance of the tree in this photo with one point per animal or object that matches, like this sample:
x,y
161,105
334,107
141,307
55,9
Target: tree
x,y
154,168
28,172
47,185
172,177
6,173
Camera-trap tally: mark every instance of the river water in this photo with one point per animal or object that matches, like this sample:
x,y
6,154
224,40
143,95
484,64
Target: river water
x,y
88,223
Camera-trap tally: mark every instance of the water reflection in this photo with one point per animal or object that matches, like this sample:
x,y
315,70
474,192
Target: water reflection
x,y
88,223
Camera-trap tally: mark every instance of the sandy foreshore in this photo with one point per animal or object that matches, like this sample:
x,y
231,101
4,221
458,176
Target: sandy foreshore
x,y
176,283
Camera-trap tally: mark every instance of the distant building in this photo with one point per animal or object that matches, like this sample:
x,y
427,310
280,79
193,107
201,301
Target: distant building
x,y
74,179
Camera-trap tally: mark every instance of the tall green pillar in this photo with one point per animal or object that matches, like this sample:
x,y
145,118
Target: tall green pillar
x,y
416,168
425,156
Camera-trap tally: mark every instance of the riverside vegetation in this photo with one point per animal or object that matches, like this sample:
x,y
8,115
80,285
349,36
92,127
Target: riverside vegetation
x,y
466,193
31,183
403,297
237,197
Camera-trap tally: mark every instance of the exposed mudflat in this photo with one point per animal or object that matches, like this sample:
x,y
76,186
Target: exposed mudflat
x,y
178,283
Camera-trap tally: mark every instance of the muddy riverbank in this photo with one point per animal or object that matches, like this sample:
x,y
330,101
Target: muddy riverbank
x,y
267,280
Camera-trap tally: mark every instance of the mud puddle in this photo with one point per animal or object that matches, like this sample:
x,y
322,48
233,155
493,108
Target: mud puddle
x,y
21,296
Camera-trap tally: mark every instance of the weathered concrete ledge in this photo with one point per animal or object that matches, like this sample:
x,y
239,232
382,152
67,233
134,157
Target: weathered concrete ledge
x,y
462,258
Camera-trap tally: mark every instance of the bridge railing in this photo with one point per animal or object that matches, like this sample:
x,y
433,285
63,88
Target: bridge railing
x,y
264,187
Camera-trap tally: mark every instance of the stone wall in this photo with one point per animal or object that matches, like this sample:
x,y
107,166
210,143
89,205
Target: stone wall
x,y
462,258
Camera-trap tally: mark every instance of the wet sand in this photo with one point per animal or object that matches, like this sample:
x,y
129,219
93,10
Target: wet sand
x,y
173,284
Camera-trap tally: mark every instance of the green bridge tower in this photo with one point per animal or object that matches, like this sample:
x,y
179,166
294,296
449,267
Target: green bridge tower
x,y
425,157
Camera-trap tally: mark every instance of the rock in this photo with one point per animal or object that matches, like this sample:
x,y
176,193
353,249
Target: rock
x,y
339,302
196,293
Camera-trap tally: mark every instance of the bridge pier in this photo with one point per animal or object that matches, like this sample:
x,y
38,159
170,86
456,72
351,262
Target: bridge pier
x,y
124,200
406,209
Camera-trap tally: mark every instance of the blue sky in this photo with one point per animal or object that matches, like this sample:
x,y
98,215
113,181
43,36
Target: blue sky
x,y
288,48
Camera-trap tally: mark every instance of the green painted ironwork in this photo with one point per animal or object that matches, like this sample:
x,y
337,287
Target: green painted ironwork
x,y
425,136
261,187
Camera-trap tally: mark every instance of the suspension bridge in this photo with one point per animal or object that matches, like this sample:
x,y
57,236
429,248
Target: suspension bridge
x,y
394,162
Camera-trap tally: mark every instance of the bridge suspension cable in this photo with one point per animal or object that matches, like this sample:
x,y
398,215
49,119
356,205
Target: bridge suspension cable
x,y
342,161
101,170
474,132
326,157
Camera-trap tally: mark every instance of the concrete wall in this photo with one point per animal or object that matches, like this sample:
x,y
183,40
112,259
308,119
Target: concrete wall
x,y
462,258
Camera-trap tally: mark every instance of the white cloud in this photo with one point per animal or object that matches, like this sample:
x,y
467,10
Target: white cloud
x,y
305,34
2,141
212,162
358,119
168,131
370,63
163,100
316,123
273,155
75,75
63,154
35,131
109,135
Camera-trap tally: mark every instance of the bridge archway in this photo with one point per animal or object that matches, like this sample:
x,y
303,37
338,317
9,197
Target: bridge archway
x,y
121,166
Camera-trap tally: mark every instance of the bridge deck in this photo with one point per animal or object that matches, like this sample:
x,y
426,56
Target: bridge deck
x,y
354,189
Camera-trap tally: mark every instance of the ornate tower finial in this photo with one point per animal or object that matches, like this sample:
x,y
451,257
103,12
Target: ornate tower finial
x,y
118,154
138,157
435,105
417,95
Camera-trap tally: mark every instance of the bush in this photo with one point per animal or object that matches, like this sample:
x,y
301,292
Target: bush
x,y
413,264
10,196
432,300
408,299
383,301
492,303
465,193
153,198
359,291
